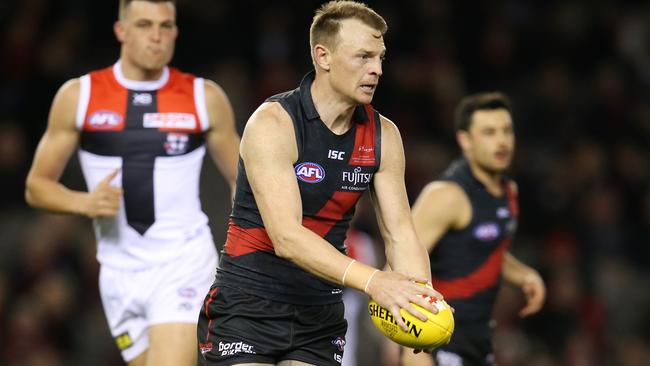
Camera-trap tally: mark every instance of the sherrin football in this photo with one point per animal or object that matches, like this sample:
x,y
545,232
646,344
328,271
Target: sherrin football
x,y
435,332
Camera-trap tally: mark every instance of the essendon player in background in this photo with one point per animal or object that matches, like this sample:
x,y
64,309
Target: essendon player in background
x,y
142,129
467,219
307,156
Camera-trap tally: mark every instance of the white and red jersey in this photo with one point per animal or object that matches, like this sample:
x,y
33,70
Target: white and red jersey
x,y
153,132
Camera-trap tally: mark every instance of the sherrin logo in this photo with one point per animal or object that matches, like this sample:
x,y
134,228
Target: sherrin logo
x,y
309,172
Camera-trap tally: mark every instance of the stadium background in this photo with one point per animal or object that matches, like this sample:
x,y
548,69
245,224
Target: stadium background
x,y
578,73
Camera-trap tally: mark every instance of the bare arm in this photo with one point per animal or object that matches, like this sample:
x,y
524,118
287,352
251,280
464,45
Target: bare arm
x,y
222,138
405,254
528,279
60,140
441,206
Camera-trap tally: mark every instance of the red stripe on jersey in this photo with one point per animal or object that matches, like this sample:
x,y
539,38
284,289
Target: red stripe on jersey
x,y
106,109
331,213
512,200
481,279
363,153
176,103
240,241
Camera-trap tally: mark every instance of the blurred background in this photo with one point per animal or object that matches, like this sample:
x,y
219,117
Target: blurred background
x,y
578,73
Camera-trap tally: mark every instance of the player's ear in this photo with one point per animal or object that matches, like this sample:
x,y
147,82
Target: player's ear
x,y
462,137
322,56
118,28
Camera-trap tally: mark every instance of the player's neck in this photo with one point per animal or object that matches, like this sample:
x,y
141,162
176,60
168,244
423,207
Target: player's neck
x,y
335,112
491,180
135,73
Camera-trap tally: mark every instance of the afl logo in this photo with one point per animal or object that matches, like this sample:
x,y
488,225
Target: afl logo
x,y
487,231
105,119
310,172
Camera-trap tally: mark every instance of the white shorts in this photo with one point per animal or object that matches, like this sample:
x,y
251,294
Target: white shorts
x,y
173,292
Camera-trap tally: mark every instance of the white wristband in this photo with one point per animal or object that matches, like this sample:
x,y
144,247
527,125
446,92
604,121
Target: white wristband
x,y
346,271
365,289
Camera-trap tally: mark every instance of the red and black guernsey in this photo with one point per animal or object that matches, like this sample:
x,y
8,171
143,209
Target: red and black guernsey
x,y
332,172
466,264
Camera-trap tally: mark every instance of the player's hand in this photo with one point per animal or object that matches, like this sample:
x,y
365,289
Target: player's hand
x,y
104,200
535,293
395,291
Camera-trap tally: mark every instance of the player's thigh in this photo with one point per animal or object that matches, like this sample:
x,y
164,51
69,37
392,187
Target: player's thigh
x,y
172,344
408,358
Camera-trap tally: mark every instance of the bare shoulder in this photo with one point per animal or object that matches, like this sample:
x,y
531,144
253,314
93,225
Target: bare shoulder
x,y
213,92
445,202
443,193
388,127
270,117
63,112
269,128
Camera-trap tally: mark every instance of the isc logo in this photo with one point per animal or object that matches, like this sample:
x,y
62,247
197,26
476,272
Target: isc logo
x,y
310,172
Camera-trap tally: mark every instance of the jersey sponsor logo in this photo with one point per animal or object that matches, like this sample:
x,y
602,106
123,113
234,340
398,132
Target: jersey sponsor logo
x,y
352,180
487,231
176,143
232,348
335,154
105,120
309,172
172,121
141,99
503,212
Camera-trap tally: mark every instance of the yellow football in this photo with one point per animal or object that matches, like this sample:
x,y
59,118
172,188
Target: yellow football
x,y
434,332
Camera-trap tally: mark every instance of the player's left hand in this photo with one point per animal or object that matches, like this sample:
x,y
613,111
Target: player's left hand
x,y
535,293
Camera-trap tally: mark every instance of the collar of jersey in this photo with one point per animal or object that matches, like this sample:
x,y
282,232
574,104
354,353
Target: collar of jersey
x,y
139,85
308,103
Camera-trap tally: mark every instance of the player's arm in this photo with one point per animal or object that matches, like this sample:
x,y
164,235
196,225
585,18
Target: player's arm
x,y
60,140
528,279
222,138
440,207
405,254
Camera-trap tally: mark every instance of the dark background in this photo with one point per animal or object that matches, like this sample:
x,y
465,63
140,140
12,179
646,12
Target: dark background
x,y
578,73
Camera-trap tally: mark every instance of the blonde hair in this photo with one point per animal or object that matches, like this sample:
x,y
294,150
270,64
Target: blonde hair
x,y
327,21
125,3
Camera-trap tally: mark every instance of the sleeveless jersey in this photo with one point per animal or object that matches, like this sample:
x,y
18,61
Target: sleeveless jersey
x,y
332,172
466,264
153,132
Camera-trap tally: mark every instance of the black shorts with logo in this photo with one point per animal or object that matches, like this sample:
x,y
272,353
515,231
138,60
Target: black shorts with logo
x,y
235,327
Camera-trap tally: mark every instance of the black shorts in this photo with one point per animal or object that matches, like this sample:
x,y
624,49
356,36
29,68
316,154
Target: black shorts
x,y
235,327
469,346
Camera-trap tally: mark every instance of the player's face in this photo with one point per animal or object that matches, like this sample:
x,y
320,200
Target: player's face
x,y
148,34
356,61
490,140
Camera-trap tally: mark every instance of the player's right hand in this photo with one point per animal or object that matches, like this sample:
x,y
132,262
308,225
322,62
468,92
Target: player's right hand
x,y
104,200
395,291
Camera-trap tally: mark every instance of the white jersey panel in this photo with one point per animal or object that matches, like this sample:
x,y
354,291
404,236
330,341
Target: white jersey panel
x,y
178,214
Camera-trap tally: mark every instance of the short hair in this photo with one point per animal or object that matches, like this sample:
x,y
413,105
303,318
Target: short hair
x,y
475,102
124,3
327,21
